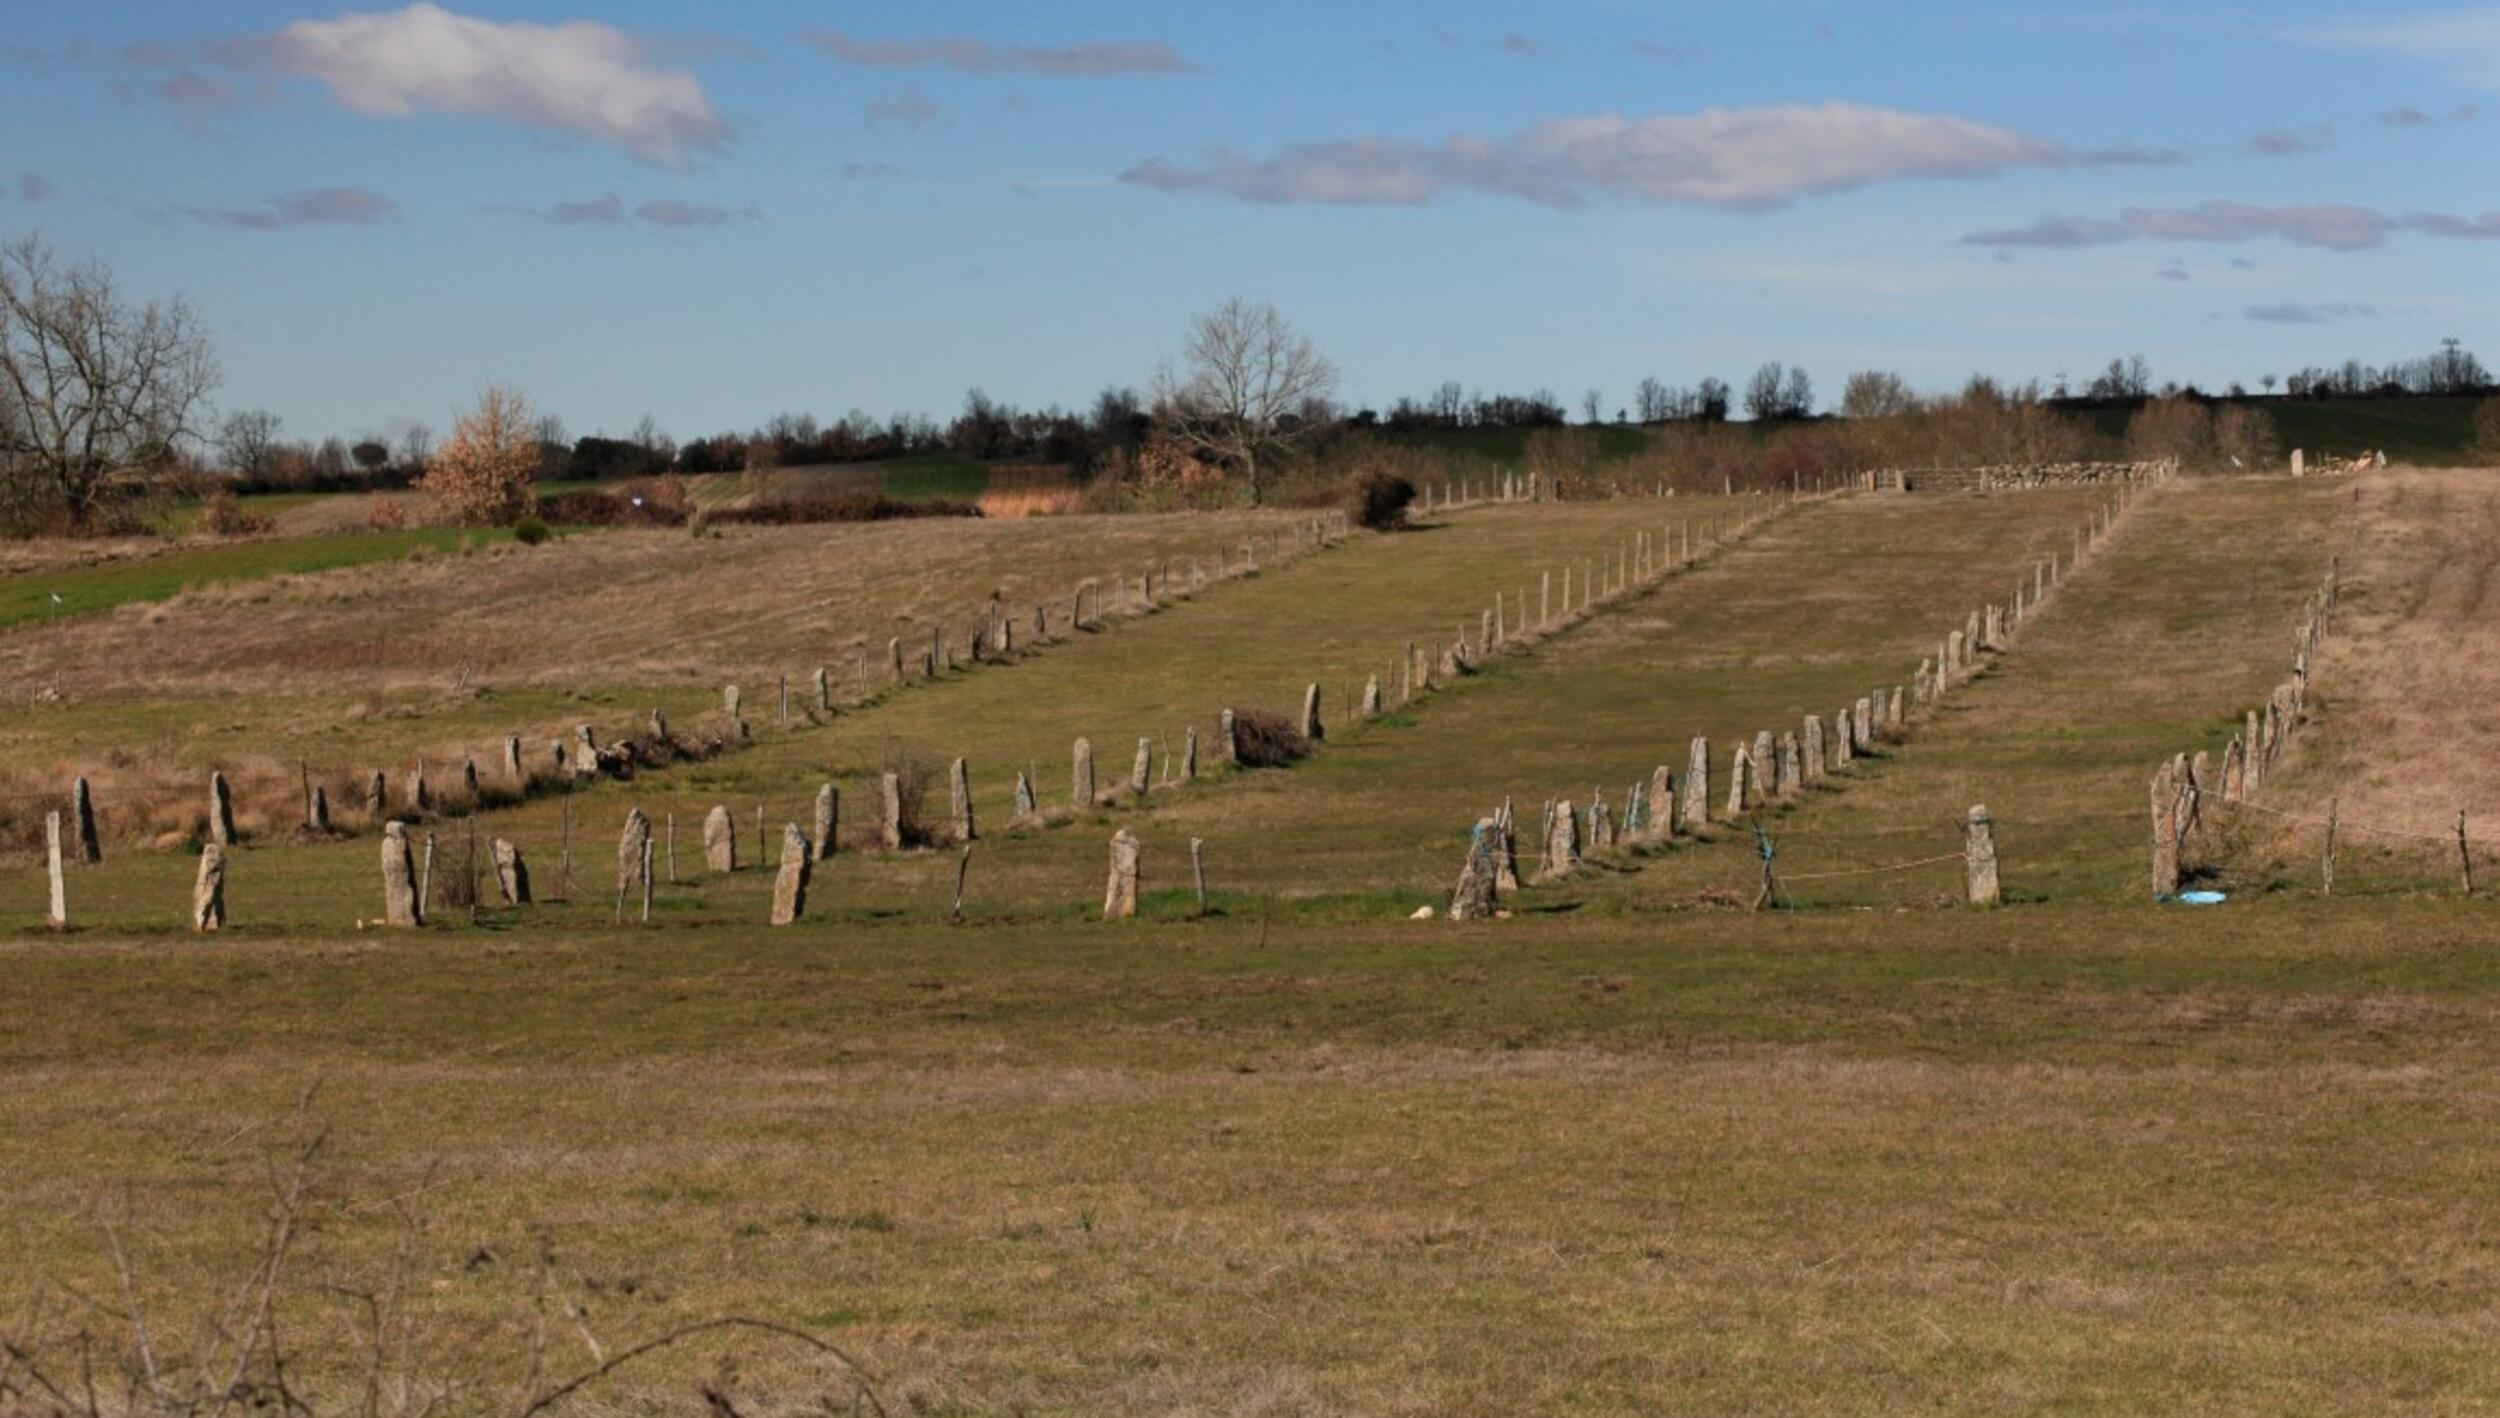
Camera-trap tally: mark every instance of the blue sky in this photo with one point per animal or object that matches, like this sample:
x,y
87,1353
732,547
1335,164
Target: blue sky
x,y
712,214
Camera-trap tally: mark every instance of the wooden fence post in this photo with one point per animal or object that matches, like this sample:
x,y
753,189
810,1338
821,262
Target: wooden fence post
x,y
2326,865
2465,855
1198,870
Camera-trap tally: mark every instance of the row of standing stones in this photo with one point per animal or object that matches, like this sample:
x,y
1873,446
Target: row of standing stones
x,y
2184,783
1779,769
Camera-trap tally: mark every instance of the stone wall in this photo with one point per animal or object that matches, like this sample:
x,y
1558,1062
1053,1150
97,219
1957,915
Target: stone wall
x,y
2016,476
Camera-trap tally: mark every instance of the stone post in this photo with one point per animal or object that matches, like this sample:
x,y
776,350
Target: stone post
x,y
1897,714
1371,697
512,759
1081,774
894,658
1763,758
1791,778
828,820
1739,781
1506,851
1879,721
1227,738
823,684
1025,806
790,883
630,853
1811,757
220,810
86,848
377,797
959,799
1843,738
208,891
1979,859
1562,841
400,906
512,873
1862,726
1141,768
1479,894
1312,728
1119,897
720,840
58,914
1661,803
1696,788
2165,804
890,811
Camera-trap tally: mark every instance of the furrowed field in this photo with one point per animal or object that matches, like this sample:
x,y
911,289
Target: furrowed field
x,y
1632,1147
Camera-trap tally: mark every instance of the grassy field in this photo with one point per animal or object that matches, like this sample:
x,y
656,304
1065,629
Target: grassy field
x,y
1630,1150
67,592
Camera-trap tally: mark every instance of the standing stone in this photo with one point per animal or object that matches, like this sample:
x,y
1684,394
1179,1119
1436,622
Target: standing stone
x,y
1227,738
890,811
1811,750
1479,881
512,758
1371,697
2165,806
633,850
317,812
828,823
1843,736
208,891
790,883
1979,859
1763,758
1562,841
420,797
1081,774
1696,788
586,750
1897,715
2253,769
720,839
512,873
1739,781
1119,897
894,658
1506,851
220,811
1880,720
1141,769
1189,755
959,800
2234,770
1862,726
732,701
1312,728
400,906
1661,804
1957,651
1791,777
1601,833
85,846
377,798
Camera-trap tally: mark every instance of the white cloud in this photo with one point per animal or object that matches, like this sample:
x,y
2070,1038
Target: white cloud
x,y
2464,42
976,56
2332,226
1754,157
325,206
577,77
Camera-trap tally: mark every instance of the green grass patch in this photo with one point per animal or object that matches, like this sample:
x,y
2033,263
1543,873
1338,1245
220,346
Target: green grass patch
x,y
85,590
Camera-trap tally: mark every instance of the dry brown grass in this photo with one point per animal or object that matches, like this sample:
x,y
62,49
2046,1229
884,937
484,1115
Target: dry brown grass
x,y
2410,670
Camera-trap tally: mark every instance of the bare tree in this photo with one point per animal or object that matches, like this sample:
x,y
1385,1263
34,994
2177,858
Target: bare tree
x,y
1592,406
92,389
1248,373
416,448
1875,394
1765,391
247,442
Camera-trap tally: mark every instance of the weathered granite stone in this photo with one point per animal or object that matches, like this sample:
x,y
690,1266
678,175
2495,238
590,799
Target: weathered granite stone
x,y
1119,897
1791,777
1312,728
1562,841
1810,756
400,906
1979,859
1479,880
208,890
959,800
633,848
890,811
720,839
512,873
1694,792
1025,806
790,883
1081,774
828,820
1141,768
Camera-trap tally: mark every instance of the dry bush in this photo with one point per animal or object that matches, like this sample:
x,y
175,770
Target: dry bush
x,y
1265,739
2245,438
222,516
2172,428
1380,500
1563,459
385,514
481,475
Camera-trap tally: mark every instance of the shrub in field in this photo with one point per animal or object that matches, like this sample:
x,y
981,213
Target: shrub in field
x,y
385,514
481,476
222,516
530,531
1381,499
1263,739
609,509
847,507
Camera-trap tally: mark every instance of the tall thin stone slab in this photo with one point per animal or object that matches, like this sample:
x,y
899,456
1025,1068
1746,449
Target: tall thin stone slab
x,y
400,906
85,847
220,810
208,890
890,811
790,882
1189,755
822,683
1371,697
633,852
56,884
720,839
1081,774
1740,781
1811,756
894,659
1862,726
1562,841
1694,792
1479,879
1227,738
1791,777
512,770
377,795
1843,737
1979,859
1025,806
1764,759
1879,719
1506,850
959,800
1312,728
1141,768
2234,770
1119,896
420,797
1897,715
828,820
2165,808
1601,829
512,873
